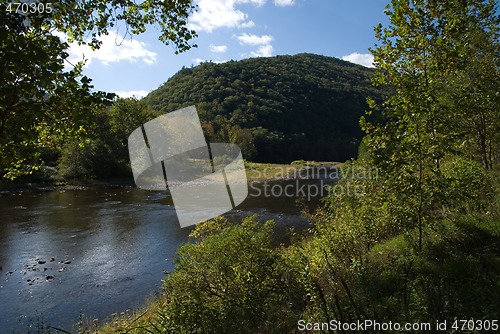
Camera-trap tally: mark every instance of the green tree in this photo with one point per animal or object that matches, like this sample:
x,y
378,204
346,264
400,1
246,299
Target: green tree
x,y
232,280
124,117
104,153
471,84
42,104
427,45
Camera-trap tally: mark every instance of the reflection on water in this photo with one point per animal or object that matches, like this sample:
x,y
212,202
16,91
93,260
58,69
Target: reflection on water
x,y
95,251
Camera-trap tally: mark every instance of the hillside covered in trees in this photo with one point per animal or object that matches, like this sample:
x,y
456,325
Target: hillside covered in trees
x,y
277,109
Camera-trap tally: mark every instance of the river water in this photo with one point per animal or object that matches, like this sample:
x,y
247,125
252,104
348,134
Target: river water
x,y
100,251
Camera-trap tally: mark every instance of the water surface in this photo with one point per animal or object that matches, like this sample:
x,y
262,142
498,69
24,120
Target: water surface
x,y
97,251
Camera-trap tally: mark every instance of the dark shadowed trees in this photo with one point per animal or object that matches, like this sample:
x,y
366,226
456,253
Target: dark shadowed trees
x,y
41,103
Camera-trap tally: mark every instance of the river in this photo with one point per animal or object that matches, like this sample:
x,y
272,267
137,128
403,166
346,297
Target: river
x,y
98,251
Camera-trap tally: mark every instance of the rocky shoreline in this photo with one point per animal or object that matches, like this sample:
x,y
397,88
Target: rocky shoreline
x,y
34,187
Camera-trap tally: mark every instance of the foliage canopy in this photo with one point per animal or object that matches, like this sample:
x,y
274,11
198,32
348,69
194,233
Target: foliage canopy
x,y
42,104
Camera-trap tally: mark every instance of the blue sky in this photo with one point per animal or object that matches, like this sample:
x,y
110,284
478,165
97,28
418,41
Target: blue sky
x,y
236,29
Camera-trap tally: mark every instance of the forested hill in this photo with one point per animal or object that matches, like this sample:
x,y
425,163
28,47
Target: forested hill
x,y
277,109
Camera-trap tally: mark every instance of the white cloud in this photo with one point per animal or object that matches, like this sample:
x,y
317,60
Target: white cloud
x,y
263,51
113,49
254,39
265,48
198,61
258,3
132,93
284,3
365,59
218,48
249,24
214,14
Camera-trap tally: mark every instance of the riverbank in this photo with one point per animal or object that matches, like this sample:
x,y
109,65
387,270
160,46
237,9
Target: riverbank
x,y
240,267
459,243
356,257
16,188
255,172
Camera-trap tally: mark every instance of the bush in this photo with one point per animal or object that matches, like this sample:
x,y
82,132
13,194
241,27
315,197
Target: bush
x,y
232,281
468,185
